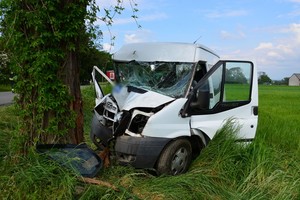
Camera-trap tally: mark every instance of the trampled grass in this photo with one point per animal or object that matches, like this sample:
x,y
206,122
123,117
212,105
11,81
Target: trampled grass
x,y
269,168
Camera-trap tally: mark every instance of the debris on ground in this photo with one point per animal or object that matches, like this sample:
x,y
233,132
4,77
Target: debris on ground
x,y
78,158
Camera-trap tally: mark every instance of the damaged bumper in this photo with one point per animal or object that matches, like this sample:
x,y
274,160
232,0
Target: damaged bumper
x,y
139,152
98,131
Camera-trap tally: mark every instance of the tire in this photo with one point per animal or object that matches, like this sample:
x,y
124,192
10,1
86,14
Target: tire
x,y
175,158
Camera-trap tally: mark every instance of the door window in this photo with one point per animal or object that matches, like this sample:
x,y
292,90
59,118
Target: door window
x,y
227,85
215,85
237,85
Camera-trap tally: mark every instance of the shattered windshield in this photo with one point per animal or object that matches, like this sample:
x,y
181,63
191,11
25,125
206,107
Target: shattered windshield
x,y
168,78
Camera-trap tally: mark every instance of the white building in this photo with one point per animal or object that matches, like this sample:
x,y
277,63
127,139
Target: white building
x,y
294,80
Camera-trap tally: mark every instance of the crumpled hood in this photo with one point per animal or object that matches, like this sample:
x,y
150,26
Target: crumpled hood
x,y
128,100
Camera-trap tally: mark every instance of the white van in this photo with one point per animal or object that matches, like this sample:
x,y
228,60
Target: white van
x,y
168,102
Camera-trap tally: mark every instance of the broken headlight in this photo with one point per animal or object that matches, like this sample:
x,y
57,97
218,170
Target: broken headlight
x,y
138,122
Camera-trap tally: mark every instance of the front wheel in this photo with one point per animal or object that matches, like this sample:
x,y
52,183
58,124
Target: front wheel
x,y
175,158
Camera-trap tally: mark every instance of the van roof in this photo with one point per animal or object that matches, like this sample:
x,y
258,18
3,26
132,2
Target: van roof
x,y
162,51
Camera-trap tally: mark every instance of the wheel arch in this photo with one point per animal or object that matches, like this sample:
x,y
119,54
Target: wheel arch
x,y
198,140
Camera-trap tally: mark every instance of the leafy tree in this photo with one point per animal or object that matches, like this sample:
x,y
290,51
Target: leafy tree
x,y
4,69
43,39
90,57
285,81
264,79
235,75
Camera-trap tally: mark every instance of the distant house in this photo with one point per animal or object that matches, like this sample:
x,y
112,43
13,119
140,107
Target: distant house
x,y
294,80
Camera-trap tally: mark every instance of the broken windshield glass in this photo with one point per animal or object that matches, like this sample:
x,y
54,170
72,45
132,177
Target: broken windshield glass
x,y
168,78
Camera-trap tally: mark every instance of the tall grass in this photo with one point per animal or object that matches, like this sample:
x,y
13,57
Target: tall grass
x,y
8,123
268,168
33,177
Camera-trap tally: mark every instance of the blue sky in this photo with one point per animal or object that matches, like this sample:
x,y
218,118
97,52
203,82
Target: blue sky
x,y
264,31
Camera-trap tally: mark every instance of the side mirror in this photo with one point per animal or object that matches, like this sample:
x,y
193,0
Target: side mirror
x,y
198,99
201,100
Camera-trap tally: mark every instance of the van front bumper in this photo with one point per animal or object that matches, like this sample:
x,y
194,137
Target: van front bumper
x,y
139,152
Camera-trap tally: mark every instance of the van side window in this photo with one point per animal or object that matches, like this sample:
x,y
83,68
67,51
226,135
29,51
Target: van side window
x,y
208,94
215,82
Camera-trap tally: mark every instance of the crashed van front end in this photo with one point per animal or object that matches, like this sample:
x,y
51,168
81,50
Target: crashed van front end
x,y
144,91
168,101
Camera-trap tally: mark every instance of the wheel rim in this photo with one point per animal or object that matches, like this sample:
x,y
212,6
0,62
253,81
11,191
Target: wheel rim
x,y
179,160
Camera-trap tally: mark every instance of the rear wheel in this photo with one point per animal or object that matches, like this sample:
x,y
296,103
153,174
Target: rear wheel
x,y
175,158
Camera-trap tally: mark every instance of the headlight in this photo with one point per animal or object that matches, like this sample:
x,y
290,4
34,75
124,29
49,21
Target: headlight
x,y
138,121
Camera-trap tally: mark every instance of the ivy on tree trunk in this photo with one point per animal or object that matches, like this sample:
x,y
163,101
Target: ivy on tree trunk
x,y
42,39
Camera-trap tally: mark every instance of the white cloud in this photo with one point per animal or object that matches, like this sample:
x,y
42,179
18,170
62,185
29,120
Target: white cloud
x,y
295,29
132,38
294,13
107,47
279,57
138,36
274,54
225,13
264,45
295,1
234,36
280,54
286,48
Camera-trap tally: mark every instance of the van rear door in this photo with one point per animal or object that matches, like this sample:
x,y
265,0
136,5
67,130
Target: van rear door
x,y
228,91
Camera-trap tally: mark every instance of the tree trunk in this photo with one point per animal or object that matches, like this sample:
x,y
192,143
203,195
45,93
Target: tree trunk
x,y
59,120
73,82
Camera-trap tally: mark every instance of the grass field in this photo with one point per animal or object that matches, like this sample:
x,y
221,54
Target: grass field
x,y
269,168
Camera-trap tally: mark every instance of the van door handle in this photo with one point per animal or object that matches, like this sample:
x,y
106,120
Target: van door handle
x,y
255,110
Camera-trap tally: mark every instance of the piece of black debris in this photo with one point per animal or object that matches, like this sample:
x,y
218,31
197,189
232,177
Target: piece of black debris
x,y
79,158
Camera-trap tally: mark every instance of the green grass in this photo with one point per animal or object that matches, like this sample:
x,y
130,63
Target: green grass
x,y
5,88
266,169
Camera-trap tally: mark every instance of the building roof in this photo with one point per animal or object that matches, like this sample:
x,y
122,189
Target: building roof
x,y
297,75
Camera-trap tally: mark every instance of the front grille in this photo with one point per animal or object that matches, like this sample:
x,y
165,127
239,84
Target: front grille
x,y
109,115
110,110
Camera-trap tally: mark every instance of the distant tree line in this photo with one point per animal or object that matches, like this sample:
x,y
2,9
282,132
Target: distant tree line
x,y
264,79
284,81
